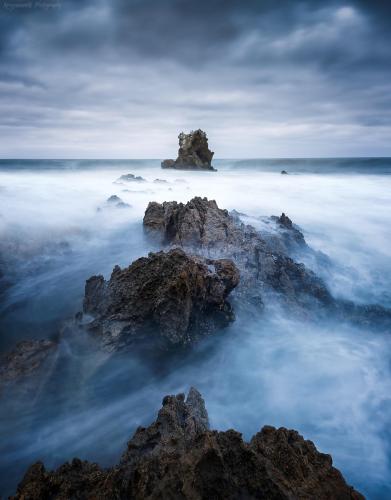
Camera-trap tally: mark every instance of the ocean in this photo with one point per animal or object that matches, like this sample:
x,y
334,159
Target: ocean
x,y
331,381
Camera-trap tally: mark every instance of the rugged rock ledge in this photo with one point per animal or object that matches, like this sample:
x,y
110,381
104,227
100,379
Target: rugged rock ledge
x,y
178,457
171,298
201,226
266,270
193,153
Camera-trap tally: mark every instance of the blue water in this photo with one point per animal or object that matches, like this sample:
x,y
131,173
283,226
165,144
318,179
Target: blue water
x,y
331,382
292,165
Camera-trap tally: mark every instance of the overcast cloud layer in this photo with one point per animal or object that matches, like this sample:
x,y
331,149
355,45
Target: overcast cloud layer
x,y
120,79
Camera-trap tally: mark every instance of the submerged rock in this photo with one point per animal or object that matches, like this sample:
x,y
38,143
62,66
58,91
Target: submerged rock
x,y
116,201
179,457
166,298
193,153
130,178
201,226
28,359
160,181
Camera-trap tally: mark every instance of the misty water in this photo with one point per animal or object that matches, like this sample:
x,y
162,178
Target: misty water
x,y
329,381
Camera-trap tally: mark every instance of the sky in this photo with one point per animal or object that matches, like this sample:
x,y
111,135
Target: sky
x,y
263,78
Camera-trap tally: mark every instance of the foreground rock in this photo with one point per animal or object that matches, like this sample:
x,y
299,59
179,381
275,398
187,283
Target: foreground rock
x,y
169,298
193,153
28,359
178,457
200,225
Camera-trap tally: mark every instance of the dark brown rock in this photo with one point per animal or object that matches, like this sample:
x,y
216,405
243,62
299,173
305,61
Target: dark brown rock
x,y
193,153
171,298
178,457
264,261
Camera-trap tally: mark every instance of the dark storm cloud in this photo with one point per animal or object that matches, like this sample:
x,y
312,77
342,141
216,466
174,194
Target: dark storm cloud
x,y
289,71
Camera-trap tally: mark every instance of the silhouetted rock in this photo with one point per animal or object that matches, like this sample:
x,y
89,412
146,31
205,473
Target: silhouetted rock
x,y
193,153
26,360
178,457
285,221
201,226
284,172
166,298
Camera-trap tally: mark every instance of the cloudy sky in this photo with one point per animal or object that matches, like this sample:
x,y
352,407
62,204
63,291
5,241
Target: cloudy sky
x,y
264,78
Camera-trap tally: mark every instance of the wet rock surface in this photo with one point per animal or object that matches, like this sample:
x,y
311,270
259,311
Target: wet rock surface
x,y
193,153
266,269
28,359
179,457
200,225
288,239
165,299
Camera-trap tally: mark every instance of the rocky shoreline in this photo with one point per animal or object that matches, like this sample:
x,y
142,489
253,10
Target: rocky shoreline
x,y
211,263
179,457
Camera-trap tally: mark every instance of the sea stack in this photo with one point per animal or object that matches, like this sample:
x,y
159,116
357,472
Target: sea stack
x,y
193,153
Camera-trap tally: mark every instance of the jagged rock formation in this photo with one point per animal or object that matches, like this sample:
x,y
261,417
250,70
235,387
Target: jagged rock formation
x,y
178,457
193,153
266,269
27,359
200,225
166,298
289,239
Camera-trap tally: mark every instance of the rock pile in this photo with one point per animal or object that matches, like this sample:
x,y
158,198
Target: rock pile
x,y
201,226
165,299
